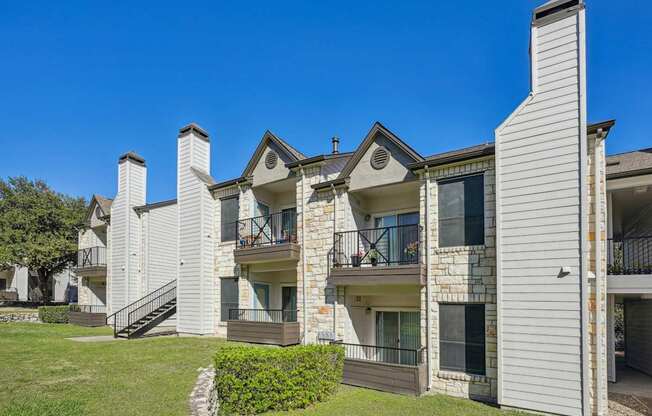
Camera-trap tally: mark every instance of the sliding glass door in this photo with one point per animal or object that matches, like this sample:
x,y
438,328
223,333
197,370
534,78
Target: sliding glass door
x,y
398,330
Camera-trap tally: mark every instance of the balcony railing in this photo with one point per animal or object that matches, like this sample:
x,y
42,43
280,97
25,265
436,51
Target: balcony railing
x,y
263,315
390,355
87,308
91,257
387,246
267,230
629,255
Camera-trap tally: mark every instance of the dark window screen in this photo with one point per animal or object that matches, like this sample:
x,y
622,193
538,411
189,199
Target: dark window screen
x,y
229,210
462,338
461,211
229,296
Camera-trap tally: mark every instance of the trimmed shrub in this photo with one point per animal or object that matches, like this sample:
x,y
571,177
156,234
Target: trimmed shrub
x,y
53,314
252,380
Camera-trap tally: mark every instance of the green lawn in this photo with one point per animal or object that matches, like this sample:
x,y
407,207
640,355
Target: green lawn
x,y
44,374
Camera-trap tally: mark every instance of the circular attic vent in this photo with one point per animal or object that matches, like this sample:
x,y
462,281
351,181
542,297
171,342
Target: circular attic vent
x,y
271,159
379,158
98,212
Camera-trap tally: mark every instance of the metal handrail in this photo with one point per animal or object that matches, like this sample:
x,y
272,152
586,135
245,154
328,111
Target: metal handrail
x,y
630,255
91,257
387,246
380,354
125,317
276,228
87,308
263,315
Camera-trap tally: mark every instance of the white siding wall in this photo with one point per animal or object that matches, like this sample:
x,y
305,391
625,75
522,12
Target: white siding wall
x,y
195,288
125,235
160,249
538,155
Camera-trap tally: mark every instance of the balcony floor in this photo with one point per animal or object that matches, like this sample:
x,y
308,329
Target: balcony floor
x,y
379,275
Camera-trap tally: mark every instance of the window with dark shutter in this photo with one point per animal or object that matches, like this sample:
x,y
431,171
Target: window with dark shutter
x,y
462,338
461,211
229,210
229,296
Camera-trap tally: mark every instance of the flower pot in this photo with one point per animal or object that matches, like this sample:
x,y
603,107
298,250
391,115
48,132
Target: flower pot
x,y
355,261
374,262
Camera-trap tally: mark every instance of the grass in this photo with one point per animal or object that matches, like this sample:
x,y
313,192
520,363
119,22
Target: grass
x,y
364,402
43,373
14,309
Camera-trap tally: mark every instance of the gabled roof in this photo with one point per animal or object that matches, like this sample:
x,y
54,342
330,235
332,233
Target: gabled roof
x,y
317,159
376,129
268,137
102,202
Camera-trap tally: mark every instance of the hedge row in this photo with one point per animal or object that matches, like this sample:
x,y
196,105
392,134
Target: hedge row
x,y
251,380
54,314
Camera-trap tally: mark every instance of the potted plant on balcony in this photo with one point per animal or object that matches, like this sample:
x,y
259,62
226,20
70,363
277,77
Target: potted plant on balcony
x,y
373,256
355,259
411,251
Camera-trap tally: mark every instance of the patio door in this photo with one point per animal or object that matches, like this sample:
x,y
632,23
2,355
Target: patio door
x,y
392,242
396,330
261,224
261,302
289,303
288,231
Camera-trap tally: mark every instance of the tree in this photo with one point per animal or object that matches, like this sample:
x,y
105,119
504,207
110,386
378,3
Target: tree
x,y
38,228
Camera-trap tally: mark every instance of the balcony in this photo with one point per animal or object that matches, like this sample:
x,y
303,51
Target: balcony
x,y
87,315
263,326
269,238
387,255
629,256
91,261
395,370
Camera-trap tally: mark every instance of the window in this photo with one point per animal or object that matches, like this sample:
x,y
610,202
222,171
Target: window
x,y
461,211
462,338
3,284
229,296
229,211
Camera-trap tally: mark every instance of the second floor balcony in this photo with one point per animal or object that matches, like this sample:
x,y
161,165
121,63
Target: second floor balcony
x,y
91,261
629,256
385,255
267,238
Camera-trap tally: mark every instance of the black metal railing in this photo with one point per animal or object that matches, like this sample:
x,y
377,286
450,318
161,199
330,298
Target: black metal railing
x,y
632,255
91,257
267,230
386,246
263,315
87,308
389,355
126,317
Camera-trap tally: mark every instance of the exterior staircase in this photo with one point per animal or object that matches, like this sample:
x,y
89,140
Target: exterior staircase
x,y
139,317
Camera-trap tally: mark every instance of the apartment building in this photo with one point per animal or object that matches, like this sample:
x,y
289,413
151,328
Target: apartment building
x,y
479,272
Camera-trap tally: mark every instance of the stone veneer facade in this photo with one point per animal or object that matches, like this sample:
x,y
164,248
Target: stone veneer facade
x,y
456,274
462,275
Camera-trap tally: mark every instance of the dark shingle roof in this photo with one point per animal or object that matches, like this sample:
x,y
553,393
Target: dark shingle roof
x,y
638,162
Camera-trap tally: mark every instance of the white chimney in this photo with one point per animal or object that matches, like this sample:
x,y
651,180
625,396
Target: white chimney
x,y
195,283
125,236
542,225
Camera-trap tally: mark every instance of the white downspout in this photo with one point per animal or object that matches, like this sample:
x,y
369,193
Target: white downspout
x,y
303,254
428,320
597,201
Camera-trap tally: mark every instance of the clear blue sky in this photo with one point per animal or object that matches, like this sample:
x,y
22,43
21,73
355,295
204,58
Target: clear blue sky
x,y
83,82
